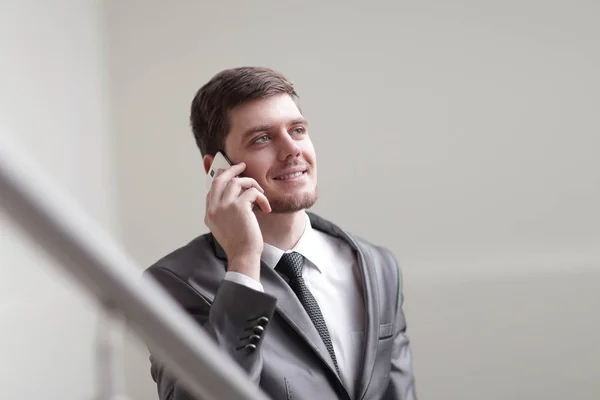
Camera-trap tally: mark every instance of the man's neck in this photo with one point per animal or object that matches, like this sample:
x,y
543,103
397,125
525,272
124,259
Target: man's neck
x,y
282,230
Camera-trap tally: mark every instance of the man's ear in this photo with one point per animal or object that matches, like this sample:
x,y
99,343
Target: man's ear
x,y
207,161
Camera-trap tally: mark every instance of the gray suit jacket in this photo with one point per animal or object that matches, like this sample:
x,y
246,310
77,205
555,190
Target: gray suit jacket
x,y
270,335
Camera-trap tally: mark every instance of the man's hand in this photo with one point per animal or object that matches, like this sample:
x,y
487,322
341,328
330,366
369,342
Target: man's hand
x,y
230,217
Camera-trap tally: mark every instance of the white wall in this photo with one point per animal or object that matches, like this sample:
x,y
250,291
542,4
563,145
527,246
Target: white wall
x,y
462,135
53,99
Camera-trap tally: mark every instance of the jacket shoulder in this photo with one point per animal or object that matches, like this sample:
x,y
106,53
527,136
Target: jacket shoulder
x,y
385,274
382,258
181,260
190,272
194,266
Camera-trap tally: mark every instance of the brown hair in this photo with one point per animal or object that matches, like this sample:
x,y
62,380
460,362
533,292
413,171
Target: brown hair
x,y
227,89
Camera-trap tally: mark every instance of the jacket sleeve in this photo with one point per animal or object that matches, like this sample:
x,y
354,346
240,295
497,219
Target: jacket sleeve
x,y
237,320
402,381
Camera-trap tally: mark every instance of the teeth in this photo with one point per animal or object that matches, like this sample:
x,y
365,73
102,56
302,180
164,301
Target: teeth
x,y
290,176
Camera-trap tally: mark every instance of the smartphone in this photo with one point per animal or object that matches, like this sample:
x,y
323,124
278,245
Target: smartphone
x,y
219,162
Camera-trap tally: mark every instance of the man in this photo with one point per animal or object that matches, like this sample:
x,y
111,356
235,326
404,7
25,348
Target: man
x,y
308,310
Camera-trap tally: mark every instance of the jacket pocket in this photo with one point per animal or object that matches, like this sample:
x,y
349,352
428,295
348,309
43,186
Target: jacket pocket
x,y
386,331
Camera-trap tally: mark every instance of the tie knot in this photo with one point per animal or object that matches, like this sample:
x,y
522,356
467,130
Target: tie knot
x,y
291,265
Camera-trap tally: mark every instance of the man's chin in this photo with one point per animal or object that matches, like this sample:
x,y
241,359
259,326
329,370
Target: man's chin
x,y
292,204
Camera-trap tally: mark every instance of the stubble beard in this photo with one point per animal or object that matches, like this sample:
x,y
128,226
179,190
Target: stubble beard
x,y
292,204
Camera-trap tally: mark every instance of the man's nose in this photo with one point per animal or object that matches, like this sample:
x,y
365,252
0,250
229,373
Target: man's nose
x,y
289,148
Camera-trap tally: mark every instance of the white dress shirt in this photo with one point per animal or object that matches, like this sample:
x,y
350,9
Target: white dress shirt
x,y
331,274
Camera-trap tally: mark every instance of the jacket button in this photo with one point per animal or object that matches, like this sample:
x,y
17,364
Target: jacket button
x,y
250,347
254,338
263,321
258,329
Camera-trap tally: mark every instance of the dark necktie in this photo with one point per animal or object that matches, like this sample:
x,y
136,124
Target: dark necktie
x,y
291,265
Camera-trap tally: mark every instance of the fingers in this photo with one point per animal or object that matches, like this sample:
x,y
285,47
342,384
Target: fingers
x,y
226,189
221,180
253,195
236,186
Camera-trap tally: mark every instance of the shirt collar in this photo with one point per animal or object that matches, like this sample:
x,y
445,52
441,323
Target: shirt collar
x,y
307,245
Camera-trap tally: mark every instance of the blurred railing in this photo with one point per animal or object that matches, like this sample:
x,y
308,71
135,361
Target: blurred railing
x,y
94,260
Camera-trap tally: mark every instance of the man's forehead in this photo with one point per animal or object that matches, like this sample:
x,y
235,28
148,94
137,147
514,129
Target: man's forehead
x,y
272,110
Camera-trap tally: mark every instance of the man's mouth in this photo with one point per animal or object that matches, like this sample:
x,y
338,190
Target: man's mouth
x,y
290,175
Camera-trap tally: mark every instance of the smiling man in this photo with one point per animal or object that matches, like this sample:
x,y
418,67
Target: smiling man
x,y
308,310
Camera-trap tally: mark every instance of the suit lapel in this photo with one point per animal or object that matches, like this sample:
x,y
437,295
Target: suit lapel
x,y
291,310
370,293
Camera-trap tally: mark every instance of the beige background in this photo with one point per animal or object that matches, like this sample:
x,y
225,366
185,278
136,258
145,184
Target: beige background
x,y
462,135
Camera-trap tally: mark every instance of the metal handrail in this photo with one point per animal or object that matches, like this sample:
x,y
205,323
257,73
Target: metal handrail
x,y
93,259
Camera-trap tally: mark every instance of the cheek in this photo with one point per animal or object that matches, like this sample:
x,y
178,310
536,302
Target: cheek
x,y
308,151
311,158
256,169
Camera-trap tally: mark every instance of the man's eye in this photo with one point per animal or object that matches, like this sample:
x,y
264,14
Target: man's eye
x,y
299,131
261,139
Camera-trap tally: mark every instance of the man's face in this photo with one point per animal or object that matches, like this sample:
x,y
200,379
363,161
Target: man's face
x,y
270,135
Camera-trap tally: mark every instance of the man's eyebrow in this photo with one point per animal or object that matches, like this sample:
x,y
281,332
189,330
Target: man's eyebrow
x,y
256,129
300,121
